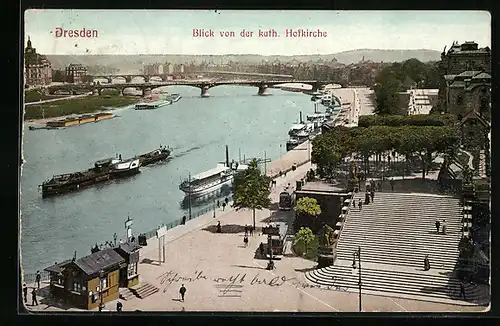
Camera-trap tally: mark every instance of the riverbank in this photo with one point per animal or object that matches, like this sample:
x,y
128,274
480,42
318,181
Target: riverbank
x,y
71,107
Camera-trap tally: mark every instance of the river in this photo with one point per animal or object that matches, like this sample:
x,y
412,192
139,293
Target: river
x,y
196,128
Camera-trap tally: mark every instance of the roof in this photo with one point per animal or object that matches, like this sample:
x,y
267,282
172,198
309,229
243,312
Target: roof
x,y
220,168
129,247
482,75
468,73
474,115
58,268
98,261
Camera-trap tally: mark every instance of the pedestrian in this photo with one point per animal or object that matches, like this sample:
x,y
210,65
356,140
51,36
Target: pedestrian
x,y
245,241
184,220
353,204
462,289
250,229
360,204
438,224
219,228
33,298
372,194
25,293
427,264
367,198
38,278
182,291
392,184
443,224
218,203
119,306
223,206
226,200
261,249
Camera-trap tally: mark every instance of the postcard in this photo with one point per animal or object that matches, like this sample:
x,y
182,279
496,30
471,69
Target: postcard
x,y
255,161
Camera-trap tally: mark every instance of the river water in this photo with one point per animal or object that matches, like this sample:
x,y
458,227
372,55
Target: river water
x,y
196,128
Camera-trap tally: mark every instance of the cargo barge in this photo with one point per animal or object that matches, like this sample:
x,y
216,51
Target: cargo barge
x,y
79,120
159,154
103,170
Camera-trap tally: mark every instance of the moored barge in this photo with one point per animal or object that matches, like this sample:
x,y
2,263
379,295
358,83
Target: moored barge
x,y
102,171
159,154
79,120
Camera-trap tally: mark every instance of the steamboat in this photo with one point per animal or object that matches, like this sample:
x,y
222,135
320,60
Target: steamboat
x,y
159,154
103,170
78,120
213,179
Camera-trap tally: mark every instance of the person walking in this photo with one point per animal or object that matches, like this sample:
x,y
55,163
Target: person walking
x,y
438,224
218,203
250,229
25,293
391,181
443,224
219,228
38,278
119,306
34,302
372,194
184,220
182,291
353,204
226,200
427,264
245,241
223,206
360,204
462,290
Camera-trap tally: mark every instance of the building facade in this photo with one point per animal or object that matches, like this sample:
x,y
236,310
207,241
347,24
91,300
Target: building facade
x,y
75,73
38,70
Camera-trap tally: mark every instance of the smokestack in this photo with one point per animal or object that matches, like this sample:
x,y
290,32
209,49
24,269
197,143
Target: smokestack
x,y
227,156
300,120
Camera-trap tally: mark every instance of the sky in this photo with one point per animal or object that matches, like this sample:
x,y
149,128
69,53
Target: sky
x,y
171,31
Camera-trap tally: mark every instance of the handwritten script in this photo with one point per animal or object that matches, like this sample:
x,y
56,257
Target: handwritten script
x,y
241,279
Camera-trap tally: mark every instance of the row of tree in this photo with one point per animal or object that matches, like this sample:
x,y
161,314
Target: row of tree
x,y
410,120
399,77
329,149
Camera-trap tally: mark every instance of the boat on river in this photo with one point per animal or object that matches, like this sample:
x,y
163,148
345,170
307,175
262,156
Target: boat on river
x,y
103,170
174,97
152,105
213,179
159,154
78,120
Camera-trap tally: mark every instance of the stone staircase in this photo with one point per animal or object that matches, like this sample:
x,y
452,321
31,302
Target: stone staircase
x,y
395,233
142,291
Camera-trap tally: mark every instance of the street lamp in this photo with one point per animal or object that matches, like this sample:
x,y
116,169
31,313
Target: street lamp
x,y
214,208
357,253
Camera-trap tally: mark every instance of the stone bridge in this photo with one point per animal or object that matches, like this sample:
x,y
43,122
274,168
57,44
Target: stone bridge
x,y
203,85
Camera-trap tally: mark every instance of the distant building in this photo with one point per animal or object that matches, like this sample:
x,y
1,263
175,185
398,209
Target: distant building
x,y
38,70
75,73
169,68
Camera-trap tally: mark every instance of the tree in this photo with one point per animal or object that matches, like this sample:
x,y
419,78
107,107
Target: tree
x,y
251,189
304,236
308,206
58,76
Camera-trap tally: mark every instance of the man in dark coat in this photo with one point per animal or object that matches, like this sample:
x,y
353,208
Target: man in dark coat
x,y
38,279
25,293
182,291
438,224
119,306
33,298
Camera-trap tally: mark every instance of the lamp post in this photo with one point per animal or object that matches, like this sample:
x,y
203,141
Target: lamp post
x,y
357,253
214,208
128,228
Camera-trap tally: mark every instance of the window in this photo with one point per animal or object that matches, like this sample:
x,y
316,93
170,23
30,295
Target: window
x,y
77,286
104,283
132,269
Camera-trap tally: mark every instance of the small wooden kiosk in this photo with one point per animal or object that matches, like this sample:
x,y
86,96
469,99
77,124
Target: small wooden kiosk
x,y
129,275
88,281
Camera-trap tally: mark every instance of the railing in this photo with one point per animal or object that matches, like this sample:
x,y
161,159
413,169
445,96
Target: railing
x,y
152,233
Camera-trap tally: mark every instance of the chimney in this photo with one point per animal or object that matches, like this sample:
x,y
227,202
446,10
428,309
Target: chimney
x,y
227,156
74,256
300,120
